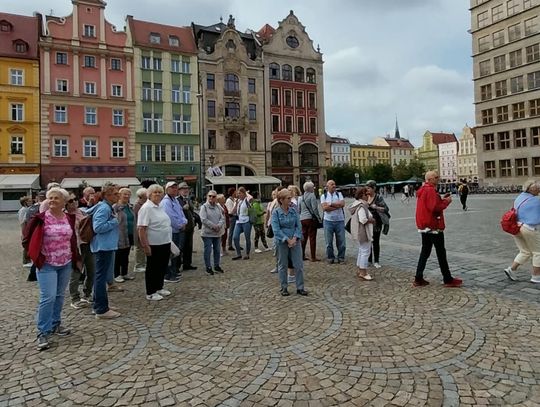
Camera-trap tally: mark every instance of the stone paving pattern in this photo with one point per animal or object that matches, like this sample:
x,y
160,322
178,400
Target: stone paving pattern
x,y
231,340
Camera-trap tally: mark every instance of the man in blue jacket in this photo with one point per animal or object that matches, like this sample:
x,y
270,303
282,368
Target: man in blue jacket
x,y
104,245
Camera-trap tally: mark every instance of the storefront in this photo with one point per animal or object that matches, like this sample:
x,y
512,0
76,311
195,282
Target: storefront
x,y
15,186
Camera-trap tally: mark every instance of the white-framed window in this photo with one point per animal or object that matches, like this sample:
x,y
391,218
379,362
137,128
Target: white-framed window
x,y
185,67
17,145
158,92
62,85
159,152
177,124
176,94
16,112
60,114
531,26
156,64
158,123
146,91
116,64
175,65
118,117
147,122
116,90
186,124
61,58
90,148
174,41
60,147
155,38
89,30
146,62
176,152
90,116
118,149
186,94
90,88
152,122
89,61
189,153
16,77
146,152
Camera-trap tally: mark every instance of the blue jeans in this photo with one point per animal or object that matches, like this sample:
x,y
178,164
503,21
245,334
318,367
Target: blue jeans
x,y
332,228
211,244
104,268
238,229
232,223
174,266
53,281
283,252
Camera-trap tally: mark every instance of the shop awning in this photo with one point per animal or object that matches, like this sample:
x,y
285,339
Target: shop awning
x,y
98,182
19,181
243,180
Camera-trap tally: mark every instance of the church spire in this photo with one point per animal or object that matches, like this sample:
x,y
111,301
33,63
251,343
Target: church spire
x,y
396,133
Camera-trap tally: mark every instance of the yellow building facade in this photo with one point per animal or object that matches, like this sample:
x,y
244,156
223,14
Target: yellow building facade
x,y
368,155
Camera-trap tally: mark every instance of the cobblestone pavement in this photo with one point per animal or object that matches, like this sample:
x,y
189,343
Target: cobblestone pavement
x,y
230,339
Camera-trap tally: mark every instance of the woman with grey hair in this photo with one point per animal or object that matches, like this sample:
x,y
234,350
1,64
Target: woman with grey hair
x,y
527,240
213,227
155,234
140,257
310,218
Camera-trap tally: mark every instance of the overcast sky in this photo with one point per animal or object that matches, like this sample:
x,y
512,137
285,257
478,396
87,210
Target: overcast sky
x,y
383,58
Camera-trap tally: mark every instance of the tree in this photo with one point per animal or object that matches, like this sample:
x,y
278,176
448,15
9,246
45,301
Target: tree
x,y
381,172
417,169
342,175
401,171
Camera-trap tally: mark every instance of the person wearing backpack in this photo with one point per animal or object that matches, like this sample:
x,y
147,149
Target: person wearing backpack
x,y
527,239
258,225
243,224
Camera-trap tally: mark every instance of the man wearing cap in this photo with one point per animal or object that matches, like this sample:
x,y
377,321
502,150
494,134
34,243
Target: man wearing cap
x,y
191,217
333,222
172,207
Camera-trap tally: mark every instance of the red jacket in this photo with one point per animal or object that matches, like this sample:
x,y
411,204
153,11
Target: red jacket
x,y
429,208
33,240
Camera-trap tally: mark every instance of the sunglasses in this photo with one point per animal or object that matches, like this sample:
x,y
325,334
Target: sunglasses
x,y
73,200
212,196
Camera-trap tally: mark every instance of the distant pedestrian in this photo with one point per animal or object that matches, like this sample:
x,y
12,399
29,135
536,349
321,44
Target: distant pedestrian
x,y
333,222
362,222
233,215
213,227
258,226
89,198
26,202
310,218
527,240
243,225
381,215
463,191
393,191
221,201
192,219
405,195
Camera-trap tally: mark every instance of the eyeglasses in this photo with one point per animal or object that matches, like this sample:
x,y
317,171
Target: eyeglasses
x,y
73,200
212,196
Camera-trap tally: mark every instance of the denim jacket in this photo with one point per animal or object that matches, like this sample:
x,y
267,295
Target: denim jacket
x,y
105,226
285,226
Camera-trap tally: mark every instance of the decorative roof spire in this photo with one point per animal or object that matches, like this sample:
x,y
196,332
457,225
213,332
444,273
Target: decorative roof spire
x,y
396,133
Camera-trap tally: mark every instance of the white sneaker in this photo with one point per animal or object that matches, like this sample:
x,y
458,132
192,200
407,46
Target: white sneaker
x,y
154,297
164,293
377,265
267,249
119,279
510,274
535,279
27,265
274,270
258,251
139,269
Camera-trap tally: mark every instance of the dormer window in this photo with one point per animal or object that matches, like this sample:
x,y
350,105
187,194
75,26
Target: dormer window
x,y
89,31
155,38
5,26
174,41
20,46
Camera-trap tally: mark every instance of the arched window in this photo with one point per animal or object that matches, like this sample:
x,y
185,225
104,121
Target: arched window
x,y
233,141
287,73
281,155
274,71
310,75
309,155
298,74
20,46
231,83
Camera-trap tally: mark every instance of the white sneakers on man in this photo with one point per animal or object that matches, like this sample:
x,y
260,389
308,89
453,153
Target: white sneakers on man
x,y
154,297
164,293
377,265
510,274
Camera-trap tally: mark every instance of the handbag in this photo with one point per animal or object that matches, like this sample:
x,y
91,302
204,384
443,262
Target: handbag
x,y
316,218
269,232
509,221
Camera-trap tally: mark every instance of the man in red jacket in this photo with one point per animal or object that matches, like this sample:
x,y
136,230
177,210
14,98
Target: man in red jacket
x,y
430,223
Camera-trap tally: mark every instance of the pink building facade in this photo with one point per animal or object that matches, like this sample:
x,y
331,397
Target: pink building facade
x,y
87,103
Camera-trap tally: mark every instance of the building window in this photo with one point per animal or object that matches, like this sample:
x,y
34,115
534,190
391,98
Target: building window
x,y
116,90
299,99
155,38
156,64
89,31
176,93
310,75
89,61
211,139
17,112
313,125
61,58
157,122
502,113
288,97
287,72
487,116
174,41
185,67
281,155
118,117
116,64
300,125
518,110
211,108
90,88
5,26
17,145
533,80
500,88
483,43
497,13
312,100
288,124
516,84
527,4
189,153
118,149
489,167
147,122
251,85
489,142
505,168
514,32
531,26
512,7
485,92
252,141
89,148
146,62
186,124
233,141
158,92
485,67
482,19
232,110
309,156
298,74
274,70
533,53
252,111
90,115
16,77
159,152
176,152
177,124
274,97
520,138
534,107
20,46
186,94
61,85
176,65
499,63
231,83
275,123
146,91
210,81
60,147
535,136
60,114
515,59
146,152
504,140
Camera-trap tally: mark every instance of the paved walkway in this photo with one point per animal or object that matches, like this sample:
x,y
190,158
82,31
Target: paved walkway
x,y
230,339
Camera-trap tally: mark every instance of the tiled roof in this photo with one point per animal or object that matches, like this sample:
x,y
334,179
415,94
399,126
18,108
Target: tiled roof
x,y
398,142
441,138
23,29
141,36
266,32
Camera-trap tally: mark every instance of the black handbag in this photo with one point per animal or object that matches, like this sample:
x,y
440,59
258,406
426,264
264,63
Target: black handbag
x,y
269,232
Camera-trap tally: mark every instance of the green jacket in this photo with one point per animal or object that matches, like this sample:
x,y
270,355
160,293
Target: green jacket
x,y
259,210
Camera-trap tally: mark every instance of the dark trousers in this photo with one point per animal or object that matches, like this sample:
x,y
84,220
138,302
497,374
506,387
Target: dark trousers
x,y
173,269
309,231
187,250
89,265
156,267
375,247
463,199
121,261
428,241
104,268
259,234
224,240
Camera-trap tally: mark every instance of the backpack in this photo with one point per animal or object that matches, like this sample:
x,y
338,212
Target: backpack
x,y
509,220
86,229
252,213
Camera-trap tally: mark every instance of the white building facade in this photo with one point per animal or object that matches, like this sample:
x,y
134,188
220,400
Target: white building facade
x,y
467,159
448,161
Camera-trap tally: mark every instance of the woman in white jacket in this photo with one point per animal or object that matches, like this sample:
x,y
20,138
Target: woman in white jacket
x,y
362,231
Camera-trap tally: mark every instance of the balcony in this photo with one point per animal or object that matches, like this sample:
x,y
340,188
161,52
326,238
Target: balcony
x,y
231,93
